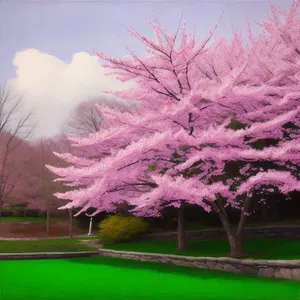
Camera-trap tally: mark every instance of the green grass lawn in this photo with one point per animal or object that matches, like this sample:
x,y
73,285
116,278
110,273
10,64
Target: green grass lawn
x,y
97,278
259,249
48,245
196,226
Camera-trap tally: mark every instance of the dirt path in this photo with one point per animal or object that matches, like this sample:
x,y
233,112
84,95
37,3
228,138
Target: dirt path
x,y
36,230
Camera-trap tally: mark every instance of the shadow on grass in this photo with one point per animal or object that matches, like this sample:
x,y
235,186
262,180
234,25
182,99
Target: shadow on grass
x,y
203,274
257,249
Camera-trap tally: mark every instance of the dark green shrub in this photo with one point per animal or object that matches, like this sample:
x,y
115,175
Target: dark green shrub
x,y
120,228
19,209
34,213
17,213
7,212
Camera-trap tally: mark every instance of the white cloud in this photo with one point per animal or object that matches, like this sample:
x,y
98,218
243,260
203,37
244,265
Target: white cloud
x,y
52,87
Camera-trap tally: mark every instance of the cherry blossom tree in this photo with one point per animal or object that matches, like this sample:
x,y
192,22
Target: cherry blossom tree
x,y
177,146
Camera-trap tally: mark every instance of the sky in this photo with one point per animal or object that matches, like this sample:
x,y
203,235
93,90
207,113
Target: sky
x,y
46,46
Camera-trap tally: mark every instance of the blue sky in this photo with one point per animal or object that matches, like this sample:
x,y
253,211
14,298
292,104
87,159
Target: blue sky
x,y
60,29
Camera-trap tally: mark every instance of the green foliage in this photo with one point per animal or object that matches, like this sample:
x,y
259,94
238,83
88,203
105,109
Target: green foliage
x,y
262,143
184,148
7,212
33,213
290,125
236,125
176,154
18,210
152,167
163,171
18,213
21,210
120,228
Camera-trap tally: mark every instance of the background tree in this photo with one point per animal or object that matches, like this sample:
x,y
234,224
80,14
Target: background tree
x,y
15,128
85,118
40,195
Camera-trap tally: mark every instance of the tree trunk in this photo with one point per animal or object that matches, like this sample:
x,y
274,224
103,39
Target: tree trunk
x,y
71,223
48,221
236,246
264,212
1,206
181,238
235,240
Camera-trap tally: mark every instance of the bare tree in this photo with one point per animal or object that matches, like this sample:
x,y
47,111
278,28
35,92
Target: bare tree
x,y
41,195
15,128
62,144
86,118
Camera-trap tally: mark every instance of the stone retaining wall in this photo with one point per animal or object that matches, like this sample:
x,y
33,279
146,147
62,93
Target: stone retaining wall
x,y
287,231
39,255
288,269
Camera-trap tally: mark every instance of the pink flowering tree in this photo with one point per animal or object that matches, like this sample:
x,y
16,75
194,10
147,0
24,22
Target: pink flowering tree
x,y
128,130
177,146
265,149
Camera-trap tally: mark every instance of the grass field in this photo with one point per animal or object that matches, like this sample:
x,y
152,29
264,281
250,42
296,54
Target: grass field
x,y
115,279
259,249
196,226
48,245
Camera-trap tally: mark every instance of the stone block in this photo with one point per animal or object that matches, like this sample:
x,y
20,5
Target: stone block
x,y
199,264
261,262
231,268
219,267
286,273
227,260
182,263
248,262
249,270
166,261
296,274
281,263
294,263
266,272
211,264
277,273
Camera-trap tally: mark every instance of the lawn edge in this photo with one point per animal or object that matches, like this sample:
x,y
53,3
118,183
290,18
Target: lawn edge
x,y
282,269
45,255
